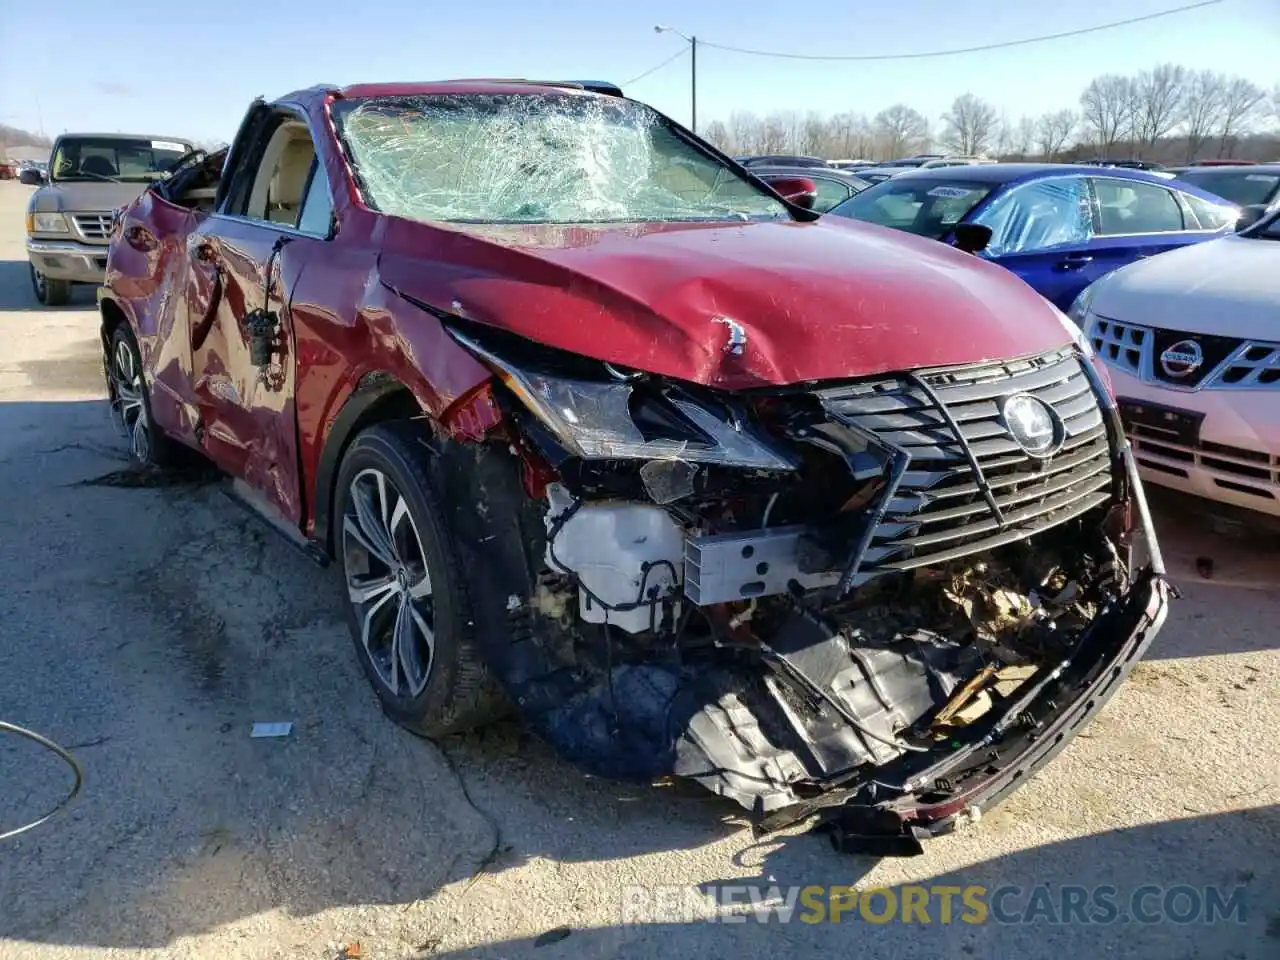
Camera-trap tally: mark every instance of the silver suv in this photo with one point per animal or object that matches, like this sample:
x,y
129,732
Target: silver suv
x,y
90,176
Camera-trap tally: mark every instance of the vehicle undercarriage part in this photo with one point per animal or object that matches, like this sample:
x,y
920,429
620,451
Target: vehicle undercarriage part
x,y
843,626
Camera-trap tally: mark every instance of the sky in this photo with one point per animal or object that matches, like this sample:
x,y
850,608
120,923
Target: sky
x,y
182,69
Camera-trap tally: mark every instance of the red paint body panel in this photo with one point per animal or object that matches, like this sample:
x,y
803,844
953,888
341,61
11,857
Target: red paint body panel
x,y
828,299
817,301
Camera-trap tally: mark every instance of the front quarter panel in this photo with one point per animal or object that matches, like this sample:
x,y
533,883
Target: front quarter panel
x,y
348,325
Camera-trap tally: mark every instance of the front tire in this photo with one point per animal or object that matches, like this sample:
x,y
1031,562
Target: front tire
x,y
407,605
130,401
48,291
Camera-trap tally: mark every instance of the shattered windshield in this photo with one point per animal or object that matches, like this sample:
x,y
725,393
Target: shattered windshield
x,y
537,158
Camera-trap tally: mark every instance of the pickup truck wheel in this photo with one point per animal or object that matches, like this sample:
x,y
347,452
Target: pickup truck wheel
x,y
407,606
131,403
50,292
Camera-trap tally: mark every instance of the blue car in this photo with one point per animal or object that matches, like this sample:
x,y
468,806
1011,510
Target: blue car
x,y
1058,226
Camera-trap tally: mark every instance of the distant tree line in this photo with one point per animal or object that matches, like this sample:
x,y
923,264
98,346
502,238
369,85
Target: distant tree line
x,y
1169,114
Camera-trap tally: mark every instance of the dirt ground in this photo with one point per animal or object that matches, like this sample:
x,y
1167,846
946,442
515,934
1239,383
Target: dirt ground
x,y
148,628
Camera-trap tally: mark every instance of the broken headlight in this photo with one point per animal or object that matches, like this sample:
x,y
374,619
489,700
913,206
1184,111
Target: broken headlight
x,y
627,418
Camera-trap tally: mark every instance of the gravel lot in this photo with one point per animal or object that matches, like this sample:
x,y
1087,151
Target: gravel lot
x,y
150,627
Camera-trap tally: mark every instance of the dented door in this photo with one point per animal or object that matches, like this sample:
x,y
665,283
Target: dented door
x,y
248,423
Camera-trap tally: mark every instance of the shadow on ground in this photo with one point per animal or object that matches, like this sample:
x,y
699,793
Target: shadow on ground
x,y
16,292
1141,892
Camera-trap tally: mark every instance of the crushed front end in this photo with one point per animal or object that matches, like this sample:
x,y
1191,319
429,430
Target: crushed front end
x,y
881,602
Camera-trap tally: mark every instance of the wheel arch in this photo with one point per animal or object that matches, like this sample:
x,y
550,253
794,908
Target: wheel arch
x,y
378,397
112,316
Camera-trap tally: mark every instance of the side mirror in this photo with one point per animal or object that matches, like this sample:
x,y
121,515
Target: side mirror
x,y
1250,215
971,237
31,177
801,191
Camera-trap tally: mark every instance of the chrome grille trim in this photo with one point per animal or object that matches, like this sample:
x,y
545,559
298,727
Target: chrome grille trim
x,y
1249,364
971,487
93,226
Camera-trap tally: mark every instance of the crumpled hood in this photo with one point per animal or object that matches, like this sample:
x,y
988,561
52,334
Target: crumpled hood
x,y
821,300
1229,287
84,196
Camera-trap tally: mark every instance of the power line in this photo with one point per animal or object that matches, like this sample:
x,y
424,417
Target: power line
x,y
675,56
950,53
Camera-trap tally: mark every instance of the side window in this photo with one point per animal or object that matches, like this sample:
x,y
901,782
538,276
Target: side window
x,y
1039,216
1131,206
317,208
830,192
280,183
1211,216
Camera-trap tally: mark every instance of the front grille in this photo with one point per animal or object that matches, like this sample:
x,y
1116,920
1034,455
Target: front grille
x,y
93,226
1229,362
939,511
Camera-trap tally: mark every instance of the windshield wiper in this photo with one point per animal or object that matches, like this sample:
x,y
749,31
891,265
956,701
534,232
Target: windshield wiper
x,y
96,176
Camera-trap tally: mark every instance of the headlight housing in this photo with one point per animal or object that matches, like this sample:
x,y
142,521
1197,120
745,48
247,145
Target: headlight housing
x,y
1079,310
624,419
46,223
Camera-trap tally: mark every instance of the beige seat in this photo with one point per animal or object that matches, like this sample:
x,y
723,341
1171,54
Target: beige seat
x,y
289,184
288,156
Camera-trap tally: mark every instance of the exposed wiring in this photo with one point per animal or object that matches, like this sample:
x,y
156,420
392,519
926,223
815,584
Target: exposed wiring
x,y
675,56
1043,38
768,510
54,748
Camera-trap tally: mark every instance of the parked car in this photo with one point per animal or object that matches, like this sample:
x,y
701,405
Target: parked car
x,y
1191,343
1242,185
830,519
1058,226
90,176
953,162
829,186
783,160
875,175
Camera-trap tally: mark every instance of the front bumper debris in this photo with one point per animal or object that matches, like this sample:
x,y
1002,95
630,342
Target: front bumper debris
x,y
887,640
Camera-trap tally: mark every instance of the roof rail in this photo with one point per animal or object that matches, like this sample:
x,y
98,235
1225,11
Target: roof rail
x,y
595,86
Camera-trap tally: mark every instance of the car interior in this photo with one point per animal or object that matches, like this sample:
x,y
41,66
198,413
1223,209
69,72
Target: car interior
x,y
281,183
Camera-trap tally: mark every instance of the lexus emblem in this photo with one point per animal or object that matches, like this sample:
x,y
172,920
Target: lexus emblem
x,y
1182,359
1033,424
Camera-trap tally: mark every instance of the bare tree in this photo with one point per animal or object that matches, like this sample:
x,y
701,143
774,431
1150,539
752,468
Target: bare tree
x,y
900,128
1158,97
816,136
717,132
1053,130
1106,106
969,126
1202,110
1240,101
775,133
744,131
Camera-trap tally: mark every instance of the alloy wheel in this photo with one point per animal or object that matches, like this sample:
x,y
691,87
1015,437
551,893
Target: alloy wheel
x,y
388,583
125,392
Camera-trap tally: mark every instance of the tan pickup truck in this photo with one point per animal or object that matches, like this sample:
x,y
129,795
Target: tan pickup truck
x,y
91,175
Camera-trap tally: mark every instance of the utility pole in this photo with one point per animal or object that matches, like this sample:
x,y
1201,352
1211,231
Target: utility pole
x,y
693,72
693,83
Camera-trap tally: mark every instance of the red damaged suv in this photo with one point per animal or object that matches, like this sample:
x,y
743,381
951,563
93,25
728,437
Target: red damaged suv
x,y
593,423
